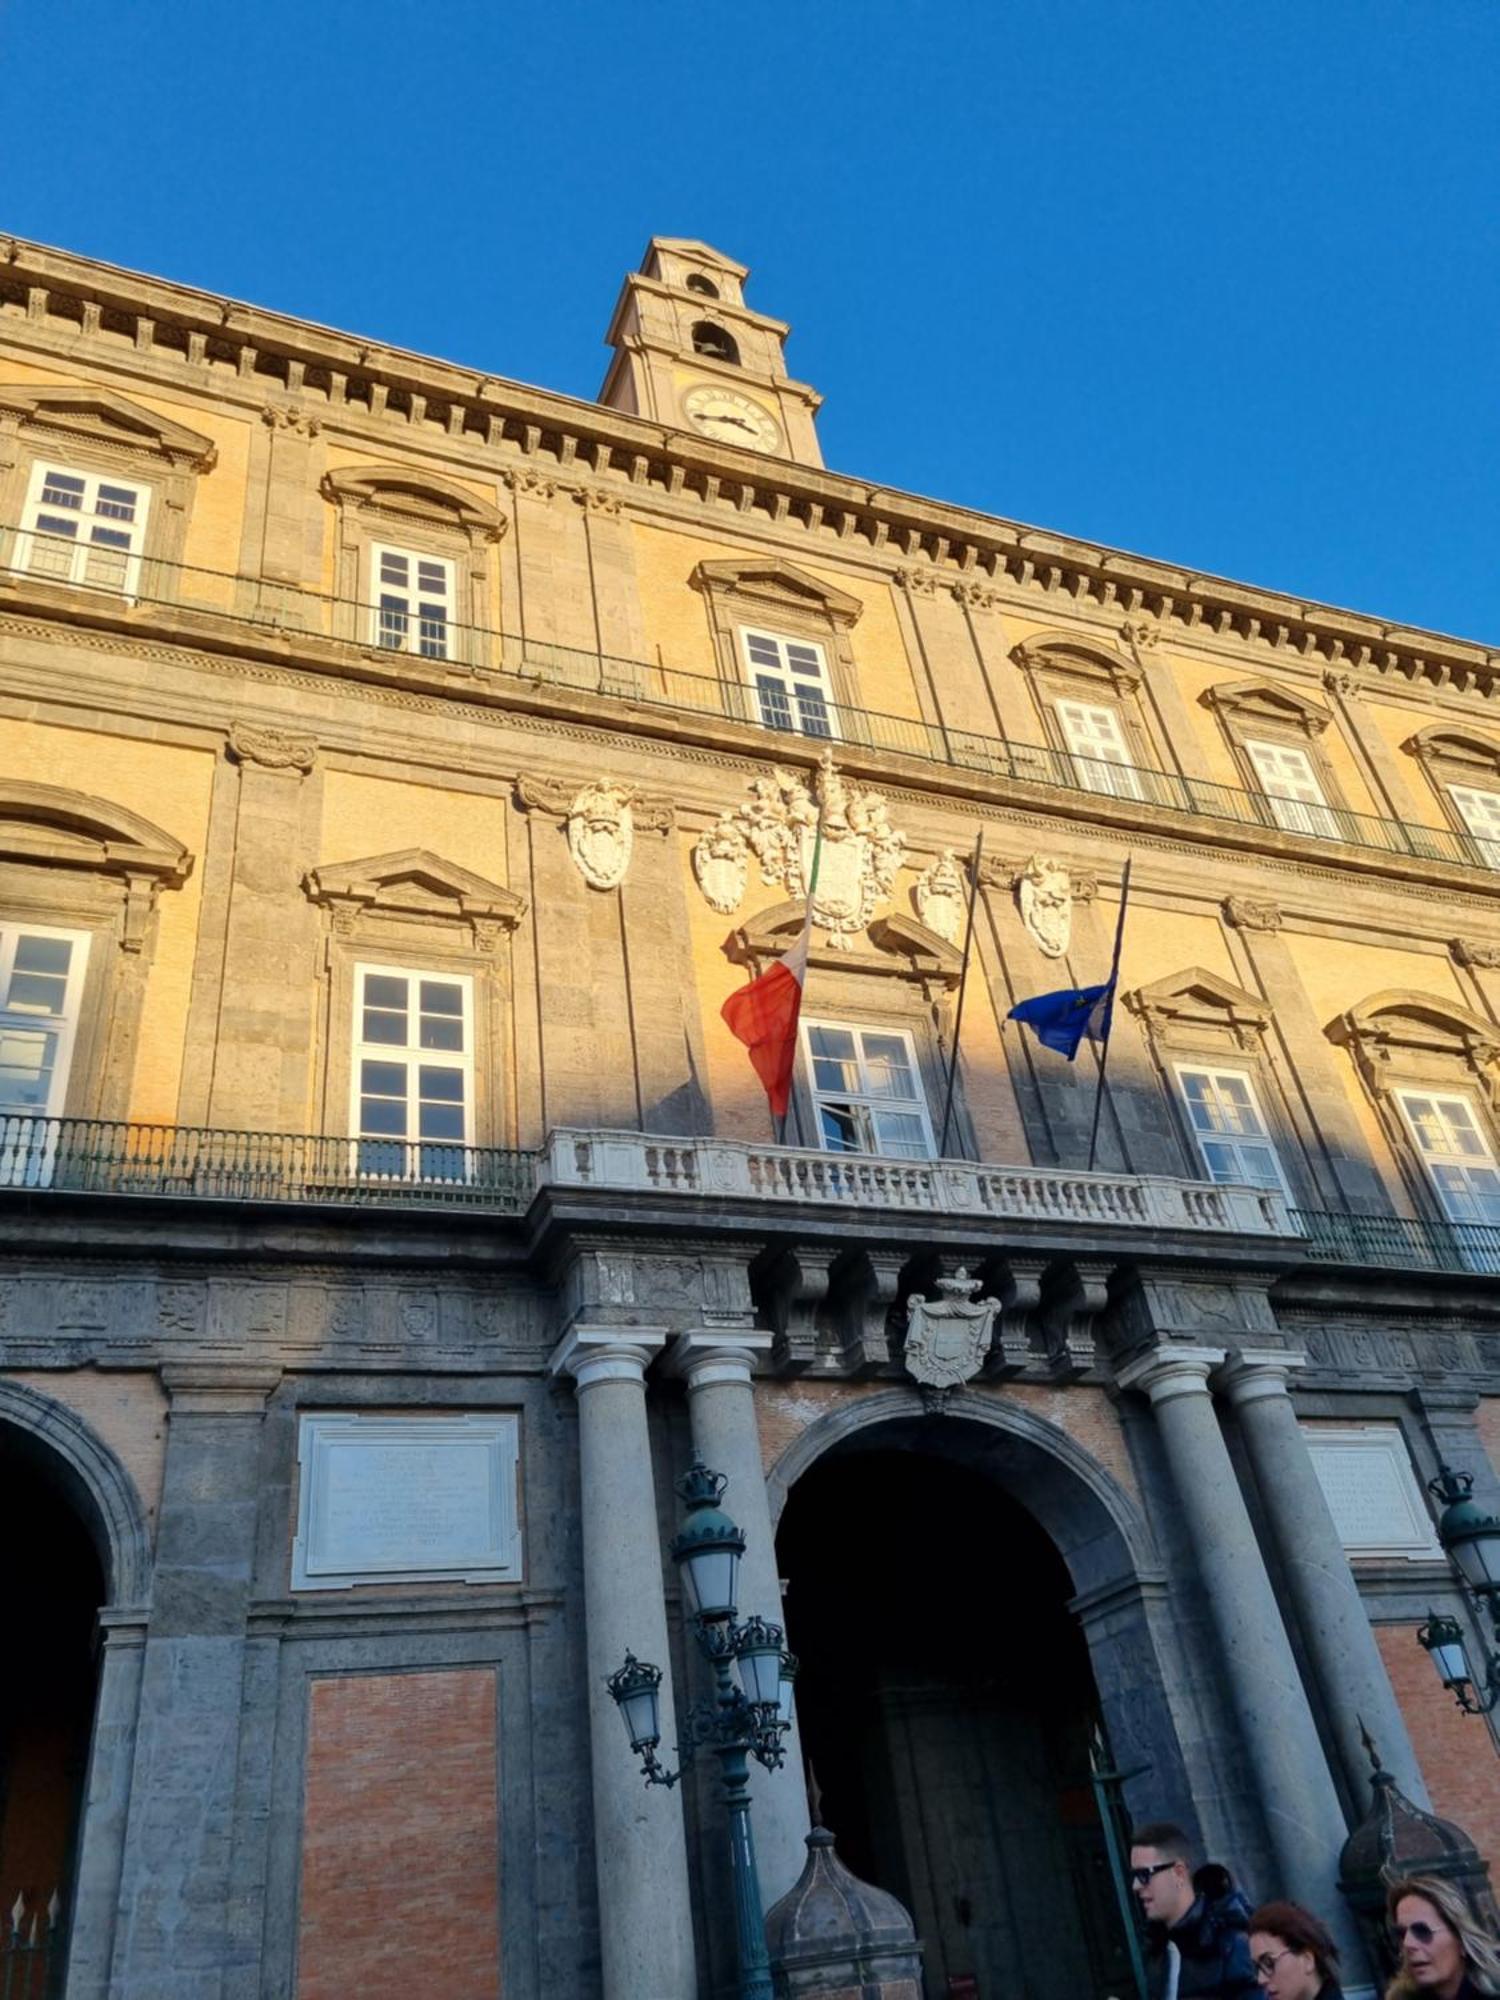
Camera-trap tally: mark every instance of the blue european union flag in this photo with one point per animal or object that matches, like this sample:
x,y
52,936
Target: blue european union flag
x,y
1061,1020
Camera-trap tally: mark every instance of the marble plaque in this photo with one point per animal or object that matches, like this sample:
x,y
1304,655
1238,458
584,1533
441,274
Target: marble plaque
x,y
387,1499
1372,1492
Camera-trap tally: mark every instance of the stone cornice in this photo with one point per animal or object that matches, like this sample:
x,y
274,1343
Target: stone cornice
x,y
51,299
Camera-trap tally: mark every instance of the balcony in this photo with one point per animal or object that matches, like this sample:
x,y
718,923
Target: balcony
x,y
505,668
1399,1242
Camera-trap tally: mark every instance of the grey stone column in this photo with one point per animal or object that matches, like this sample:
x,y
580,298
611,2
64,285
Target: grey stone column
x,y
1301,1807
717,1367
640,1855
101,1834
1330,1612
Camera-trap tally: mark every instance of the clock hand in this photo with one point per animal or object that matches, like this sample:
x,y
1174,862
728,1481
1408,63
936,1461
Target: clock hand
x,y
722,418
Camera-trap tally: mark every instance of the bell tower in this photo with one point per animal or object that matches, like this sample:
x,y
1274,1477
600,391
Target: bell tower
x,y
690,354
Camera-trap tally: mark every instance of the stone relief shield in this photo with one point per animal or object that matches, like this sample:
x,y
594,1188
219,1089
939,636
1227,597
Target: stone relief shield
x,y
601,833
948,1338
942,897
1045,895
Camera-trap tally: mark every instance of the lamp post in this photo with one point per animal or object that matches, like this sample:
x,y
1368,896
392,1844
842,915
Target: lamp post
x,y
744,1719
1471,1540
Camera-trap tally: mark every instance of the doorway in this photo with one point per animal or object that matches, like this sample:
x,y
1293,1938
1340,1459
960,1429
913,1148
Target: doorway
x,y
947,1705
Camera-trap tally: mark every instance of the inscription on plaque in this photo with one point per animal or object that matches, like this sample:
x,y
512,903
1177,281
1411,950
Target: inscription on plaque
x,y
1371,1488
407,1499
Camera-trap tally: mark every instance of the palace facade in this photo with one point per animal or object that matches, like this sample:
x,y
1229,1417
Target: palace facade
x,y
399,768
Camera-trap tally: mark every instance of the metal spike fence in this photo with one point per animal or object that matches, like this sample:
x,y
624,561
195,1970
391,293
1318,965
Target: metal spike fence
x,y
32,1949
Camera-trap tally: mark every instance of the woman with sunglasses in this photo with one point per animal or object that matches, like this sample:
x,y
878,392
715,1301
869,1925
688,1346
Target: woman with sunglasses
x,y
1444,1953
1293,1955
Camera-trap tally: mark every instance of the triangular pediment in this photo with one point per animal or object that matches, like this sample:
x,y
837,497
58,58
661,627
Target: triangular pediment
x,y
415,882
900,944
771,581
1197,998
101,416
1267,701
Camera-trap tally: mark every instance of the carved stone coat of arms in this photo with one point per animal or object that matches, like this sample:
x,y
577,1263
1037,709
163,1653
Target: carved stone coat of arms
x,y
778,824
947,1338
1045,894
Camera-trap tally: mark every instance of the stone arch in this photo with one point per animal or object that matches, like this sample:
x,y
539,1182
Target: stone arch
x,y
58,1441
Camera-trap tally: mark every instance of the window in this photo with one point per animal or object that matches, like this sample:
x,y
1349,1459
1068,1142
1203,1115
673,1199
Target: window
x,y
1292,788
1229,1128
1101,756
1480,813
867,1093
413,1074
41,987
790,678
413,602
1455,1153
80,528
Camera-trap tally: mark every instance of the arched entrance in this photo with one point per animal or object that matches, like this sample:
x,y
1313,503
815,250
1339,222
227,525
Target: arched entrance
x,y
947,1700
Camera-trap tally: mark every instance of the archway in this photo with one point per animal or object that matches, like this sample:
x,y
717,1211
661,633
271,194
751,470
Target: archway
x,y
948,1700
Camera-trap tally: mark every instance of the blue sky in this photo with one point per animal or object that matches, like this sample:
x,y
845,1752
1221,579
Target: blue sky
x,y
1218,283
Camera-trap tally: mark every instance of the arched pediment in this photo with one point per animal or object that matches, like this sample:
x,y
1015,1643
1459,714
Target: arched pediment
x,y
53,824
1188,1004
99,416
901,946
1417,1023
416,495
1267,702
776,584
414,882
1079,655
1460,748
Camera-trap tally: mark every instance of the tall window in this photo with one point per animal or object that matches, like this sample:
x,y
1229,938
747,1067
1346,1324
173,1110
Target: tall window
x,y
790,678
1291,786
1100,755
1456,1154
1229,1128
1480,812
81,528
41,987
413,602
413,1073
867,1092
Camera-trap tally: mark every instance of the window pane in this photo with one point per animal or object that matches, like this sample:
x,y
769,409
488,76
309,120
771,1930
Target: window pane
x,y
804,659
441,1121
116,502
388,1029
841,1128
393,622
887,1067
27,1056
900,1134
383,1079
439,996
764,652
439,1032
393,568
433,576
62,489
812,713
775,703
43,954
382,990
444,1084
109,538
51,524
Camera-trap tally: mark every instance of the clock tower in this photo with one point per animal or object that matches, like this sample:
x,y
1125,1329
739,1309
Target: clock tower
x,y
690,354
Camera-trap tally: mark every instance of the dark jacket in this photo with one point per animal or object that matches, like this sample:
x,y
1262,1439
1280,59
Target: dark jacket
x,y
1213,1940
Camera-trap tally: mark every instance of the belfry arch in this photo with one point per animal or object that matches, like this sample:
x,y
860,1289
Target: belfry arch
x,y
972,1595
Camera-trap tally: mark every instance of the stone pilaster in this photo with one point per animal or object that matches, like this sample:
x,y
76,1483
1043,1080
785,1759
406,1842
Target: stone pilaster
x,y
1384,770
1135,1112
1301,1807
640,1854
1330,1613
612,574
172,1938
718,1367
102,1823
556,607
669,1057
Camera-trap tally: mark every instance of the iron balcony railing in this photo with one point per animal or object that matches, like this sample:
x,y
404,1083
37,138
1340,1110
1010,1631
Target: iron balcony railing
x,y
1399,1242
496,658
94,1156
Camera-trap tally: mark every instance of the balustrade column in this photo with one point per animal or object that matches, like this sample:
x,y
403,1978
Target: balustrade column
x,y
640,1854
1302,1812
1330,1612
718,1369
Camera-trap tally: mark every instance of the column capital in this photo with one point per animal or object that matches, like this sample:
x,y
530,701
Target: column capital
x,y
591,1354
1253,1373
707,1355
1177,1369
218,1388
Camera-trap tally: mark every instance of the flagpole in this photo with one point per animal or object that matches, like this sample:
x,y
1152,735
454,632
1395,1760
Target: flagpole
x,y
1109,1012
958,1012
807,924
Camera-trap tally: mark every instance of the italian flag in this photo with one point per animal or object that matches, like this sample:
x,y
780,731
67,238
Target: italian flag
x,y
763,1015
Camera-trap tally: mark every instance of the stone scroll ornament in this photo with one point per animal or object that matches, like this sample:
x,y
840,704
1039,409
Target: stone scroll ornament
x,y
778,824
947,1338
1045,895
601,833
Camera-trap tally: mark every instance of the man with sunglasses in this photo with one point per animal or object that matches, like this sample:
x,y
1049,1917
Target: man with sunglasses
x,y
1197,1921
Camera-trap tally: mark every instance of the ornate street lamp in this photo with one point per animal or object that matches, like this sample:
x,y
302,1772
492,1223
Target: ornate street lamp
x,y
1471,1540
746,1718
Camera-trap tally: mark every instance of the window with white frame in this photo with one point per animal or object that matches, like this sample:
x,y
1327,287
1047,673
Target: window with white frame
x,y
1101,756
83,527
412,1074
1229,1128
1292,789
867,1091
412,602
1480,813
41,987
790,678
1456,1152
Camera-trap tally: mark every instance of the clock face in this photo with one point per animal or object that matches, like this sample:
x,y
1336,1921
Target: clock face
x,y
731,417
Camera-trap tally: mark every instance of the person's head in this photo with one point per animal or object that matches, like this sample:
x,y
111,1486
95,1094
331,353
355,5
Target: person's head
x,y
1293,1955
1439,1941
1161,1871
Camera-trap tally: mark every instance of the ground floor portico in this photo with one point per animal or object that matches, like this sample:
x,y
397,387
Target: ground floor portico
x,y
330,1544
